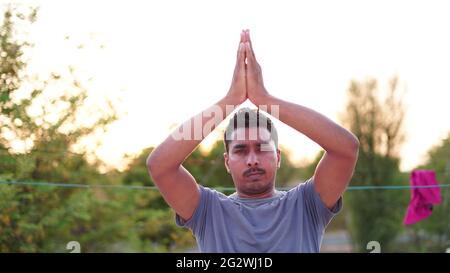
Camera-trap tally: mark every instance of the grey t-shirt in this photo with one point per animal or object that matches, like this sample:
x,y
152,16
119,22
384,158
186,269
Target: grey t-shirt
x,y
292,221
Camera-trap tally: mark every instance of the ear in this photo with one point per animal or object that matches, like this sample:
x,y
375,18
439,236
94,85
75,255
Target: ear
x,y
225,157
278,158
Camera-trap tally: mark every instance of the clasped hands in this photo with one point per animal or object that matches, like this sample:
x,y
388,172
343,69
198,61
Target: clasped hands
x,y
247,80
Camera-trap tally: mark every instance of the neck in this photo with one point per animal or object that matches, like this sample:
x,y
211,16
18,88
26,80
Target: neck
x,y
266,194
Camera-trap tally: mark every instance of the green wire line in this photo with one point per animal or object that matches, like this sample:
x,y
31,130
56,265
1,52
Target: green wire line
x,y
227,189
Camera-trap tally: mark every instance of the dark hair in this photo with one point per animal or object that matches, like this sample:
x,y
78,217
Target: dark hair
x,y
245,118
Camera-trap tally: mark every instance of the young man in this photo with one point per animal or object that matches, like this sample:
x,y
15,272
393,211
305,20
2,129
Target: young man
x,y
257,218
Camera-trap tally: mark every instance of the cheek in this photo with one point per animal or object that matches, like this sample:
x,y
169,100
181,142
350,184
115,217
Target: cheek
x,y
235,159
234,162
269,158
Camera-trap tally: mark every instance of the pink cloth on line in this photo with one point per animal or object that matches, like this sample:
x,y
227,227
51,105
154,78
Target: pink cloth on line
x,y
422,199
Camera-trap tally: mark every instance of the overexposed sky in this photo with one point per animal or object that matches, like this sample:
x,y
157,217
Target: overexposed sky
x,y
169,60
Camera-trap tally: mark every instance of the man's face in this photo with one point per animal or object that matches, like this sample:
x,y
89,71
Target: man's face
x,y
253,161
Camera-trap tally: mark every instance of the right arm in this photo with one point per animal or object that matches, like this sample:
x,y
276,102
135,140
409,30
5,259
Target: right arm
x,y
177,186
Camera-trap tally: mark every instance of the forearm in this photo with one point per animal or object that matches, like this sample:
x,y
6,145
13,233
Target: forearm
x,y
326,133
183,141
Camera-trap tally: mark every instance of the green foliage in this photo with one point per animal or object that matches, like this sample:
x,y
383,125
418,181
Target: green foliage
x,y
46,219
375,215
40,219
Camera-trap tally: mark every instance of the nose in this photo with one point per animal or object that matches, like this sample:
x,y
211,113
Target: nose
x,y
252,160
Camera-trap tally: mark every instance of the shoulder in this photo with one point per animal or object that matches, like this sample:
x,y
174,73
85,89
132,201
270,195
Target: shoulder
x,y
302,188
211,198
211,192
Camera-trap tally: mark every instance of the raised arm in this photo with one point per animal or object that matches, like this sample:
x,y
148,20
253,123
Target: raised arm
x,y
336,167
176,184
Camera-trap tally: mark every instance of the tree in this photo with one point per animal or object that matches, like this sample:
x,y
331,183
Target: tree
x,y
377,122
45,219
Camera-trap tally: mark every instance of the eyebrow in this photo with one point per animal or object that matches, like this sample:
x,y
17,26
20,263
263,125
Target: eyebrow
x,y
241,146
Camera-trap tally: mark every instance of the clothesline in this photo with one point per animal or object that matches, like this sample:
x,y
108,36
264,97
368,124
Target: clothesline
x,y
136,187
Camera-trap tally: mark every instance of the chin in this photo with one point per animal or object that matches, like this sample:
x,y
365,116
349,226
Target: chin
x,y
256,187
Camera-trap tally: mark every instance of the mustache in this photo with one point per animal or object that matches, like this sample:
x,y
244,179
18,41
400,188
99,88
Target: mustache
x,y
253,170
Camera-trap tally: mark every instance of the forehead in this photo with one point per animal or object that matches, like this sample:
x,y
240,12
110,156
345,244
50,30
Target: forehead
x,y
252,135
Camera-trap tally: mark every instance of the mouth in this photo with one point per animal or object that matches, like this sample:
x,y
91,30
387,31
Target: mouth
x,y
255,174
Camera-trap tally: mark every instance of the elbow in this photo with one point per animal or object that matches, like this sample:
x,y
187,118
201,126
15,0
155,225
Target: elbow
x,y
151,164
157,166
347,149
354,147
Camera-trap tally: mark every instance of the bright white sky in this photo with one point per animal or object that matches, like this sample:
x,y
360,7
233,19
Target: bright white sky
x,y
168,60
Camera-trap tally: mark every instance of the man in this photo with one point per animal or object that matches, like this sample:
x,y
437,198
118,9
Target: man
x,y
257,218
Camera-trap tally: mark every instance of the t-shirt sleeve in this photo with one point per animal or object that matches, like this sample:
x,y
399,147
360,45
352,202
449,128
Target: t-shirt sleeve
x,y
315,207
198,219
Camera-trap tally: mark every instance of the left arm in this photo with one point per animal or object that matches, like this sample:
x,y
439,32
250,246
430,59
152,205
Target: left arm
x,y
335,169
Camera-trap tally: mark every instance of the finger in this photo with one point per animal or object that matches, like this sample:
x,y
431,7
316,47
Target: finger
x,y
247,39
240,42
250,57
241,56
